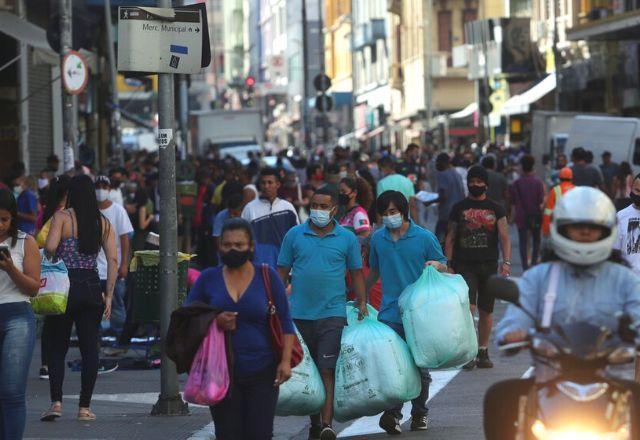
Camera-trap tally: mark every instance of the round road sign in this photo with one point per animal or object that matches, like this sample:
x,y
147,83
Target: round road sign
x,y
75,72
322,82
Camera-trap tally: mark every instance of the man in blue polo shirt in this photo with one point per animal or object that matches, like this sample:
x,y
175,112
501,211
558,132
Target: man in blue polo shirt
x,y
398,253
318,253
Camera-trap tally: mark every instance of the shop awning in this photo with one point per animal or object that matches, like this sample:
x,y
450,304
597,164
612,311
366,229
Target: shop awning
x,y
519,104
465,112
617,27
28,33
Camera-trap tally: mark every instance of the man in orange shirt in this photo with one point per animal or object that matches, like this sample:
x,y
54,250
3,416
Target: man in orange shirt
x,y
556,193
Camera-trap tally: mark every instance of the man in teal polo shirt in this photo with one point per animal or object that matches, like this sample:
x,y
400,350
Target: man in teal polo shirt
x,y
398,253
318,254
396,182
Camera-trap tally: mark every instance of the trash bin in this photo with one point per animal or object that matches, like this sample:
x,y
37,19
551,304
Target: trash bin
x,y
145,268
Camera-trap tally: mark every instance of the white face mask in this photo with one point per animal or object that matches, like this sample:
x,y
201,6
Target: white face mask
x,y
43,183
102,194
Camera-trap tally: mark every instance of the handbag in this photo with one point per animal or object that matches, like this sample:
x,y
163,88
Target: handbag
x,y
275,326
53,294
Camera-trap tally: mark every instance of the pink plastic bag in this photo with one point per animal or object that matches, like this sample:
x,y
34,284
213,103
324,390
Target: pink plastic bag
x,y
208,381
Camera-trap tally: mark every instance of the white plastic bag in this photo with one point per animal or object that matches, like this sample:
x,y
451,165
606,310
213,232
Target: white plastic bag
x,y
303,394
437,320
375,371
54,288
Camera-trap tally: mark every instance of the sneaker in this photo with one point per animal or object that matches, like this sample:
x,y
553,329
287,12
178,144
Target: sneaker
x,y
44,373
483,359
328,433
114,351
419,423
469,365
390,424
314,432
105,366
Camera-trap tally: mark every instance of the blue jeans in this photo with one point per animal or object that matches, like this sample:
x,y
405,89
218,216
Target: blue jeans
x,y
17,339
118,309
419,404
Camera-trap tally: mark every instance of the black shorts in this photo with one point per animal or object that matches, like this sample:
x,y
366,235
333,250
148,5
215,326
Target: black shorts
x,y
476,276
322,337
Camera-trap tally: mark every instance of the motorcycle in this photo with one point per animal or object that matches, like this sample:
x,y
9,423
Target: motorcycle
x,y
572,396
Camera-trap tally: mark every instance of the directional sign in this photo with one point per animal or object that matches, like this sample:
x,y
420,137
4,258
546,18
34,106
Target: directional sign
x,y
162,40
75,72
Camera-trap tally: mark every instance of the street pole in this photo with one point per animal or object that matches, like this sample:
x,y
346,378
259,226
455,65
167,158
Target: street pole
x,y
23,71
305,78
427,15
556,53
69,110
325,117
116,136
169,402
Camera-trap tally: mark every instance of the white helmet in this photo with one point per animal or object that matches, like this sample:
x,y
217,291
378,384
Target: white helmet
x,y
583,205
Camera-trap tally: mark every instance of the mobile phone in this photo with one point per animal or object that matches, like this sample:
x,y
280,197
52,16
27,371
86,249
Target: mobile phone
x,y
4,251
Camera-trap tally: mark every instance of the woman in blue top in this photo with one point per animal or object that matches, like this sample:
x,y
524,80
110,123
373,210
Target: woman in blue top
x,y
238,288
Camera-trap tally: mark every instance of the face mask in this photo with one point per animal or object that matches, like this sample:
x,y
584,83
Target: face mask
x,y
17,190
235,258
43,183
102,194
344,199
392,221
635,198
343,174
477,191
320,218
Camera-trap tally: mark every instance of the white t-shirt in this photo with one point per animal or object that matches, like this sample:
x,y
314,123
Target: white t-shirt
x,y
121,224
115,195
628,239
9,292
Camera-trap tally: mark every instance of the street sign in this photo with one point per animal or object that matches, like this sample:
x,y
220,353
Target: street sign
x,y
75,73
321,82
161,40
276,67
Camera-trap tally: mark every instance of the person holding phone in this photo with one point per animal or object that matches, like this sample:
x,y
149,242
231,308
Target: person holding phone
x,y
19,280
76,236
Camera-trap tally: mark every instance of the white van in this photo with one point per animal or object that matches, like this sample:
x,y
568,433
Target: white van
x,y
620,136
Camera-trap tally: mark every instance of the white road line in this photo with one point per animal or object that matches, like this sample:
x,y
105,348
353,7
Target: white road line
x,y
527,374
369,425
141,398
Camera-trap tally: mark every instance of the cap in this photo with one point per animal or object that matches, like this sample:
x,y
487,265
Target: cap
x,y
566,174
103,180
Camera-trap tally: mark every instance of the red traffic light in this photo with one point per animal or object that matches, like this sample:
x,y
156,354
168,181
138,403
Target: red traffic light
x,y
250,81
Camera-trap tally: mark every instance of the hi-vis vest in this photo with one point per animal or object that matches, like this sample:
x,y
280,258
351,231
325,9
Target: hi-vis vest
x,y
555,195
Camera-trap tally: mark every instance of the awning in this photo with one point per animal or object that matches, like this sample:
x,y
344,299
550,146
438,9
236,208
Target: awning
x,y
29,33
345,140
465,112
519,104
617,27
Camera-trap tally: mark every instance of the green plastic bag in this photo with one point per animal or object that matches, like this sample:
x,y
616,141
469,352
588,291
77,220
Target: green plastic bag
x,y
375,370
303,394
54,289
437,320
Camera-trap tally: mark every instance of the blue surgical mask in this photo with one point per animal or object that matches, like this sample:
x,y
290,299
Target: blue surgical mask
x,y
392,221
320,218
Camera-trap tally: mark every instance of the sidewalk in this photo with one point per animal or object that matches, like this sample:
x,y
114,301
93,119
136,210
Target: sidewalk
x,y
122,403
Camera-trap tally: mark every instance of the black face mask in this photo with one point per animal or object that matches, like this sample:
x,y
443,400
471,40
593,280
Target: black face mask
x,y
477,191
234,258
635,198
343,199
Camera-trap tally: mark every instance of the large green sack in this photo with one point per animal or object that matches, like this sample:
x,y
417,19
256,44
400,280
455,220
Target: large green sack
x,y
375,371
437,320
303,394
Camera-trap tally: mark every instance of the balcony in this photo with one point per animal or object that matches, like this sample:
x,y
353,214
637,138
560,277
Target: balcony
x,y
605,26
369,32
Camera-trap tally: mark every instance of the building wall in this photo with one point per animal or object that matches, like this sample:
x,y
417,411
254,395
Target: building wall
x,y
337,38
234,39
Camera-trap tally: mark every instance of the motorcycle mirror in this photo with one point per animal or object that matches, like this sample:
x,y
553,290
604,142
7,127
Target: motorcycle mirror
x,y
504,289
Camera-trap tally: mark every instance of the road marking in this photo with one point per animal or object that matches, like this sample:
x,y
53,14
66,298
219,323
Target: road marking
x,y
141,398
527,374
369,425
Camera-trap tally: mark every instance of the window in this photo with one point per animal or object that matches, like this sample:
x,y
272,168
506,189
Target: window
x,y
444,34
468,15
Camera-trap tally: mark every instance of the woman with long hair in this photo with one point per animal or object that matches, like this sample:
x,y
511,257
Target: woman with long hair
x,y
356,197
55,200
76,236
19,280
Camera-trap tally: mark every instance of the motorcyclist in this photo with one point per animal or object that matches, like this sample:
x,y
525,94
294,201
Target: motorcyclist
x,y
594,285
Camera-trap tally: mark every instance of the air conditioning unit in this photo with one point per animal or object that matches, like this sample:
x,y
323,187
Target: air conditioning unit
x,y
439,64
396,76
378,29
460,55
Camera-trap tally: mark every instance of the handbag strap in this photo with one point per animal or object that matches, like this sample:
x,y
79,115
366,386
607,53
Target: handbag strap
x,y
550,296
266,278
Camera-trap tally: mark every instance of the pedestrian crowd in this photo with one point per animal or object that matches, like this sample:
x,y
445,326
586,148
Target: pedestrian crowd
x,y
298,238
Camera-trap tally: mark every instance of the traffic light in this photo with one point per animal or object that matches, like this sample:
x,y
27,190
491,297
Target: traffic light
x,y
250,81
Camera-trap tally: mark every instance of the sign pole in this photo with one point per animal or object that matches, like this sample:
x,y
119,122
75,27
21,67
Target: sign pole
x,y
169,402
68,102
116,138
